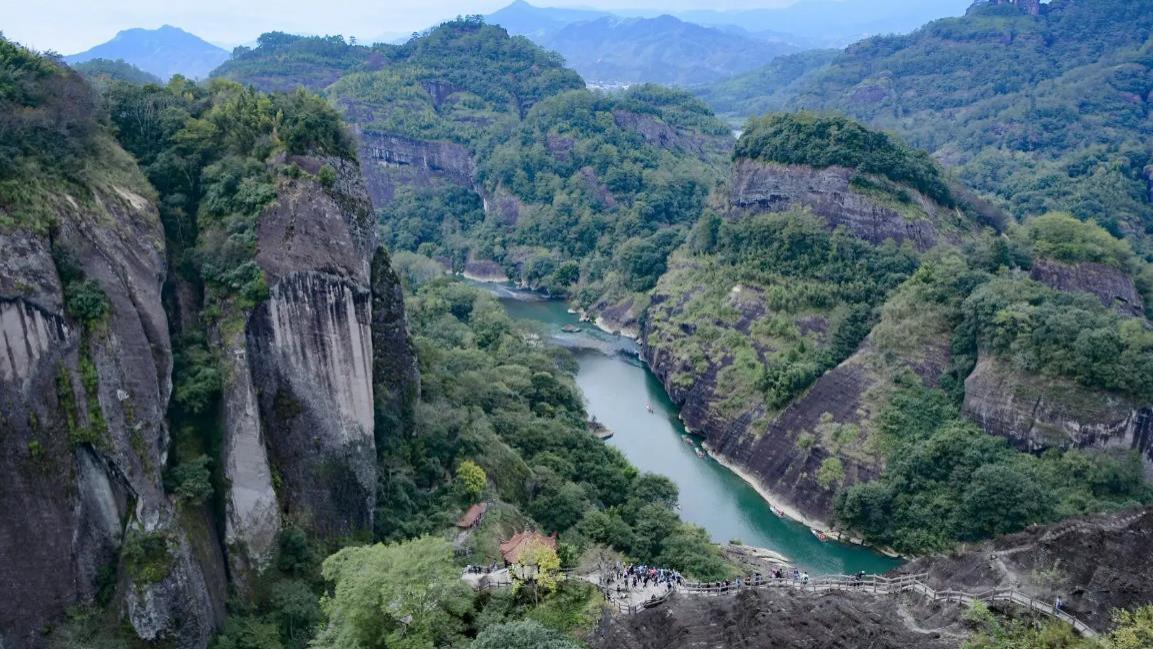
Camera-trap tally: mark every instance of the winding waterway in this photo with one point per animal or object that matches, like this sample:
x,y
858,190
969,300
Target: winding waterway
x,y
618,389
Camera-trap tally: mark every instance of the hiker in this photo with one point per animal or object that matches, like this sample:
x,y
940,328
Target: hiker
x,y
805,578
1059,603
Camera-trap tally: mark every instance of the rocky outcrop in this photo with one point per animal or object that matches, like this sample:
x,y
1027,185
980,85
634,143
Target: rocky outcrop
x,y
82,436
299,410
1096,564
1113,286
663,135
784,618
1037,413
758,187
389,161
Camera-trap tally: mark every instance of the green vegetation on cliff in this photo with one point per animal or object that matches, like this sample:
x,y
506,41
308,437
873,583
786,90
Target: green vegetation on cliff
x,y
54,141
823,141
771,302
1047,112
946,480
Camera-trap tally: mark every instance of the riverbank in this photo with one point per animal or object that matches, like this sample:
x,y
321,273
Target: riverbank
x,y
618,388
792,513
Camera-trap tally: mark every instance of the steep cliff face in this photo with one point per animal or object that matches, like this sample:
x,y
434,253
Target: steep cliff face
x,y
299,410
758,187
1037,413
84,439
782,451
390,161
1112,286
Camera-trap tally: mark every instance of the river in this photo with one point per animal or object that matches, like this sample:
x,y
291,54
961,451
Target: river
x,y
617,389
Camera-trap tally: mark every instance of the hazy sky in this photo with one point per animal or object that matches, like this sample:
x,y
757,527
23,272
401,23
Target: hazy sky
x,y
70,26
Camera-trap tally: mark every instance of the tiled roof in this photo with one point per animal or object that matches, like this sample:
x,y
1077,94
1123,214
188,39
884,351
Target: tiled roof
x,y
472,515
512,549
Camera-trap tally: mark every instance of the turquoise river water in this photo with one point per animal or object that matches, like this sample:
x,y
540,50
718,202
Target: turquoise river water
x,y
618,388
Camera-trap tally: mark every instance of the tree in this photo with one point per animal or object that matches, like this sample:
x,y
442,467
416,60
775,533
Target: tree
x,y
399,595
525,634
1134,629
538,565
471,480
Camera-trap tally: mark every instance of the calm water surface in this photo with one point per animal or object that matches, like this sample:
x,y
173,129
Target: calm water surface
x,y
617,389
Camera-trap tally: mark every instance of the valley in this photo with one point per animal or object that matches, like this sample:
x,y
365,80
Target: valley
x,y
466,341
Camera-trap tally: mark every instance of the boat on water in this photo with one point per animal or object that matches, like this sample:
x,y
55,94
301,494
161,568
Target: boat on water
x,y
649,406
700,452
819,534
780,513
570,329
688,440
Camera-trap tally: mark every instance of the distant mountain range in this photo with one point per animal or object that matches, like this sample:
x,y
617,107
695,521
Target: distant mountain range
x,y
162,52
607,48
807,24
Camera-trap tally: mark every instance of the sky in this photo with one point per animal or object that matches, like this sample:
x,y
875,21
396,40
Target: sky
x,y
70,26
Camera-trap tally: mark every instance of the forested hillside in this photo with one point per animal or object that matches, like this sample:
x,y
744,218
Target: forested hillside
x,y
483,151
1044,112
245,404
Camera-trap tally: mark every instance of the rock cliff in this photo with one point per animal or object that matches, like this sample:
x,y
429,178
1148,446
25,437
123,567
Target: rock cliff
x,y
1113,286
1096,564
83,426
300,407
872,215
778,618
390,161
1037,413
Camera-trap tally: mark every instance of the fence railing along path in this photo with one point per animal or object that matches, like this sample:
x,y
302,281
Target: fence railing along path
x,y
885,586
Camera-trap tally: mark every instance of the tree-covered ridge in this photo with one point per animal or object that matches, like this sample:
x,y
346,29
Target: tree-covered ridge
x,y
822,141
99,72
1047,113
589,187
413,89
209,151
773,302
284,61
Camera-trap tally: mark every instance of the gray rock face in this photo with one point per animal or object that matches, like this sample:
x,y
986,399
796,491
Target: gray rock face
x,y
394,367
758,187
390,161
1111,285
83,437
310,350
1037,413
775,459
252,511
300,409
